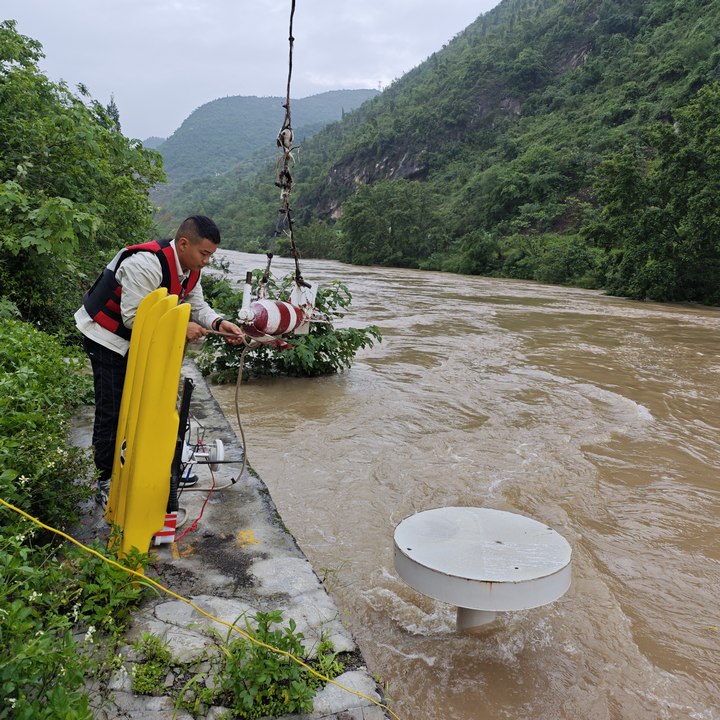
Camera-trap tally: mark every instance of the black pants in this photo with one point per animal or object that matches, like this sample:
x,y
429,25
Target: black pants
x,y
109,376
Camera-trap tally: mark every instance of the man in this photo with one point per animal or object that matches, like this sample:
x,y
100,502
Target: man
x,y
107,315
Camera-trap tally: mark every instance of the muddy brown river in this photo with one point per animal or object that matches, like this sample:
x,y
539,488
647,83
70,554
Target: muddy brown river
x,y
596,415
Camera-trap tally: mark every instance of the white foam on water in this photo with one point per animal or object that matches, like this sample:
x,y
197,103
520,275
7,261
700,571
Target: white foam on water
x,y
429,661
410,617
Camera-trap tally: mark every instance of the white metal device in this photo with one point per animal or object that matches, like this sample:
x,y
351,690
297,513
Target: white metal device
x,y
482,561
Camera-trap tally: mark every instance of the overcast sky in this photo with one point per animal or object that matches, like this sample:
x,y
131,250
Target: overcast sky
x,y
161,59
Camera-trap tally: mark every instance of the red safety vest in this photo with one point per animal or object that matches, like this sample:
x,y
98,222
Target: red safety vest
x,y
102,300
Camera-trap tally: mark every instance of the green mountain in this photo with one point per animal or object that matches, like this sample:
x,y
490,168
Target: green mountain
x,y
549,140
153,142
224,132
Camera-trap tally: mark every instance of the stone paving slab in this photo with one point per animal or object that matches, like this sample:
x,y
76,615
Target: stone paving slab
x,y
239,560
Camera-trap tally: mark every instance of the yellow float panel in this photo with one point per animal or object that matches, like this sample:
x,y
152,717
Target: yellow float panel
x,y
132,394
147,486
146,304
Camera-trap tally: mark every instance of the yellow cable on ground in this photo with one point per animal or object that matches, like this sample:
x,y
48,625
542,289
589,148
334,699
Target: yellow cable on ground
x,y
232,626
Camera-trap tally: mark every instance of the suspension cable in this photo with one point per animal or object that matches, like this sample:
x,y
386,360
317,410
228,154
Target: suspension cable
x,y
284,180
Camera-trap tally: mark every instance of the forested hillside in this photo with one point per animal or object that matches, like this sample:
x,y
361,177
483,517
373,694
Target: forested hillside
x,y
569,141
153,142
222,133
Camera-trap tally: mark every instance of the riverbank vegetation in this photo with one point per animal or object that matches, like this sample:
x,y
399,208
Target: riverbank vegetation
x,y
239,675
55,601
565,142
72,187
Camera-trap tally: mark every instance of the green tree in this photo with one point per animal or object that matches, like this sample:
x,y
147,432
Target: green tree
x,y
479,254
316,240
393,223
659,210
528,71
113,113
73,189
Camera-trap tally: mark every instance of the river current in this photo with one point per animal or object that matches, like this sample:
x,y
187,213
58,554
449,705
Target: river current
x,y
596,415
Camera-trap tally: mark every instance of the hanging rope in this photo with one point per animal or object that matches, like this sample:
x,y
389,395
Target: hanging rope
x,y
284,182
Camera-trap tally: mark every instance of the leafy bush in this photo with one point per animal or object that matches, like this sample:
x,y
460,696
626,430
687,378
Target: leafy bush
x,y
102,595
48,594
567,259
41,382
261,682
155,660
256,682
479,253
323,351
41,672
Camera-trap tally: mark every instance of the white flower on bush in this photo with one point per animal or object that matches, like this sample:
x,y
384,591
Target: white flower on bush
x,y
89,634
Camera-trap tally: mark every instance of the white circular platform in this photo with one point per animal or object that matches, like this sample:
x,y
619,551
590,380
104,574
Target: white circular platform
x,y
482,560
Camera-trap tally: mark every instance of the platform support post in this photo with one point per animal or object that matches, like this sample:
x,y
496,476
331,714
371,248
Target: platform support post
x,y
467,619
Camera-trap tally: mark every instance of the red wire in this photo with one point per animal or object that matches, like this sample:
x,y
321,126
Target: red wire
x,y
194,524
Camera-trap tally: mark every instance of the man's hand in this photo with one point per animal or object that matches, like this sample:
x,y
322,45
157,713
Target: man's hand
x,y
195,332
233,333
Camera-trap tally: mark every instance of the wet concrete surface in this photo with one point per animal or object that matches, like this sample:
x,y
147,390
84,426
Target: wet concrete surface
x,y
235,560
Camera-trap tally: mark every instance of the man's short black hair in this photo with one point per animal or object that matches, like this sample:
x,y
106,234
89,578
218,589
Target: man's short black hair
x,y
198,227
